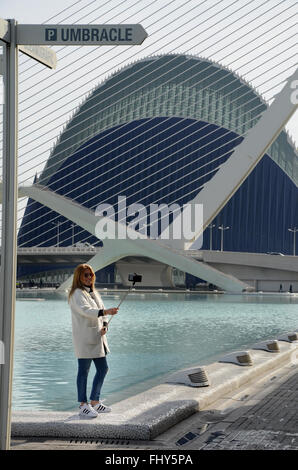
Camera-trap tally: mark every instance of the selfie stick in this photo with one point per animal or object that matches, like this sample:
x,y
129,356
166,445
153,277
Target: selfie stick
x,y
123,298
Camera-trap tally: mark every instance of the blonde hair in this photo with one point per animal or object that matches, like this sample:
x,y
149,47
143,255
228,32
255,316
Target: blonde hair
x,y
76,282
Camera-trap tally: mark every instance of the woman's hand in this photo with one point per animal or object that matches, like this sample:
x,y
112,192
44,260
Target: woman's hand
x,y
111,311
103,330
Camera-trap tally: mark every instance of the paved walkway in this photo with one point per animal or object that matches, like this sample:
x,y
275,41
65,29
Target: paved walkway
x,y
271,423
262,415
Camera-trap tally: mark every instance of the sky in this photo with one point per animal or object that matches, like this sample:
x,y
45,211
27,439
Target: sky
x,y
254,38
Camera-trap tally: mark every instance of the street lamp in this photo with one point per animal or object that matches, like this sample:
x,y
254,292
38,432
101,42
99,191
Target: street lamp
x,y
72,234
222,228
211,226
58,223
294,230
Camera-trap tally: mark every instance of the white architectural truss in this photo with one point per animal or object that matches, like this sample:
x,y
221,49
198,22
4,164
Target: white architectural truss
x,y
116,249
219,190
213,196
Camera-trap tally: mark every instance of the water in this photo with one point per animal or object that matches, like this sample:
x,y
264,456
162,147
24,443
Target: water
x,y
152,335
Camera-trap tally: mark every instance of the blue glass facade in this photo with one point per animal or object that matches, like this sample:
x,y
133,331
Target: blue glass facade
x,y
169,168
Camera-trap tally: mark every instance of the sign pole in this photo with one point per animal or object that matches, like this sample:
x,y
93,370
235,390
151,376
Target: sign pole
x,y
32,40
9,233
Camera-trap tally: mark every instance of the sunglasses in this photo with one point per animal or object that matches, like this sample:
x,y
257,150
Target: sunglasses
x,y
88,275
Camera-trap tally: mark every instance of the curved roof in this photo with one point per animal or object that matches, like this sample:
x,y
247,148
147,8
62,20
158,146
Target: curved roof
x,y
169,85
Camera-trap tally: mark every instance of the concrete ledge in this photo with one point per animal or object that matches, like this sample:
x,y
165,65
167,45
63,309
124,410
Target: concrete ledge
x,y
148,414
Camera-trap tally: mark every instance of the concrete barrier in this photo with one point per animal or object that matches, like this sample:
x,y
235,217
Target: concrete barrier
x,y
148,414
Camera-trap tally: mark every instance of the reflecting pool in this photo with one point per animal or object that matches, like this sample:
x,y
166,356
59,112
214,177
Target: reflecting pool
x,y
152,335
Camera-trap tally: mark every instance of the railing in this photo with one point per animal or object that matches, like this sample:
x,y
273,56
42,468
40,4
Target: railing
x,y
57,249
20,285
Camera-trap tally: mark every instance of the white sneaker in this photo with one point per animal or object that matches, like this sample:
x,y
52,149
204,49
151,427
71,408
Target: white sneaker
x,y
87,411
101,408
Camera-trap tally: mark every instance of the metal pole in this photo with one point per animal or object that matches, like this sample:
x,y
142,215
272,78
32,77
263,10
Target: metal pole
x,y
294,242
222,228
294,230
57,225
123,298
72,234
9,234
210,237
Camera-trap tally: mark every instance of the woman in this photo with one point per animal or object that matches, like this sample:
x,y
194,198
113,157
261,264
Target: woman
x,y
89,338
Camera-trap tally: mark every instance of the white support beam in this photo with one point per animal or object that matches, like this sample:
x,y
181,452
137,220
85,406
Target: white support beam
x,y
219,190
117,249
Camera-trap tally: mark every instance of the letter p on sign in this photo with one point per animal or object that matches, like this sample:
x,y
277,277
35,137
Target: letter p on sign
x,y
51,34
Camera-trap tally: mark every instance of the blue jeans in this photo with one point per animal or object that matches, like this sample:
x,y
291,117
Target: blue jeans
x,y
101,370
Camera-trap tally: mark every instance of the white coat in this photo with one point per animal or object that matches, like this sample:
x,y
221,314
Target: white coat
x,y
86,325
